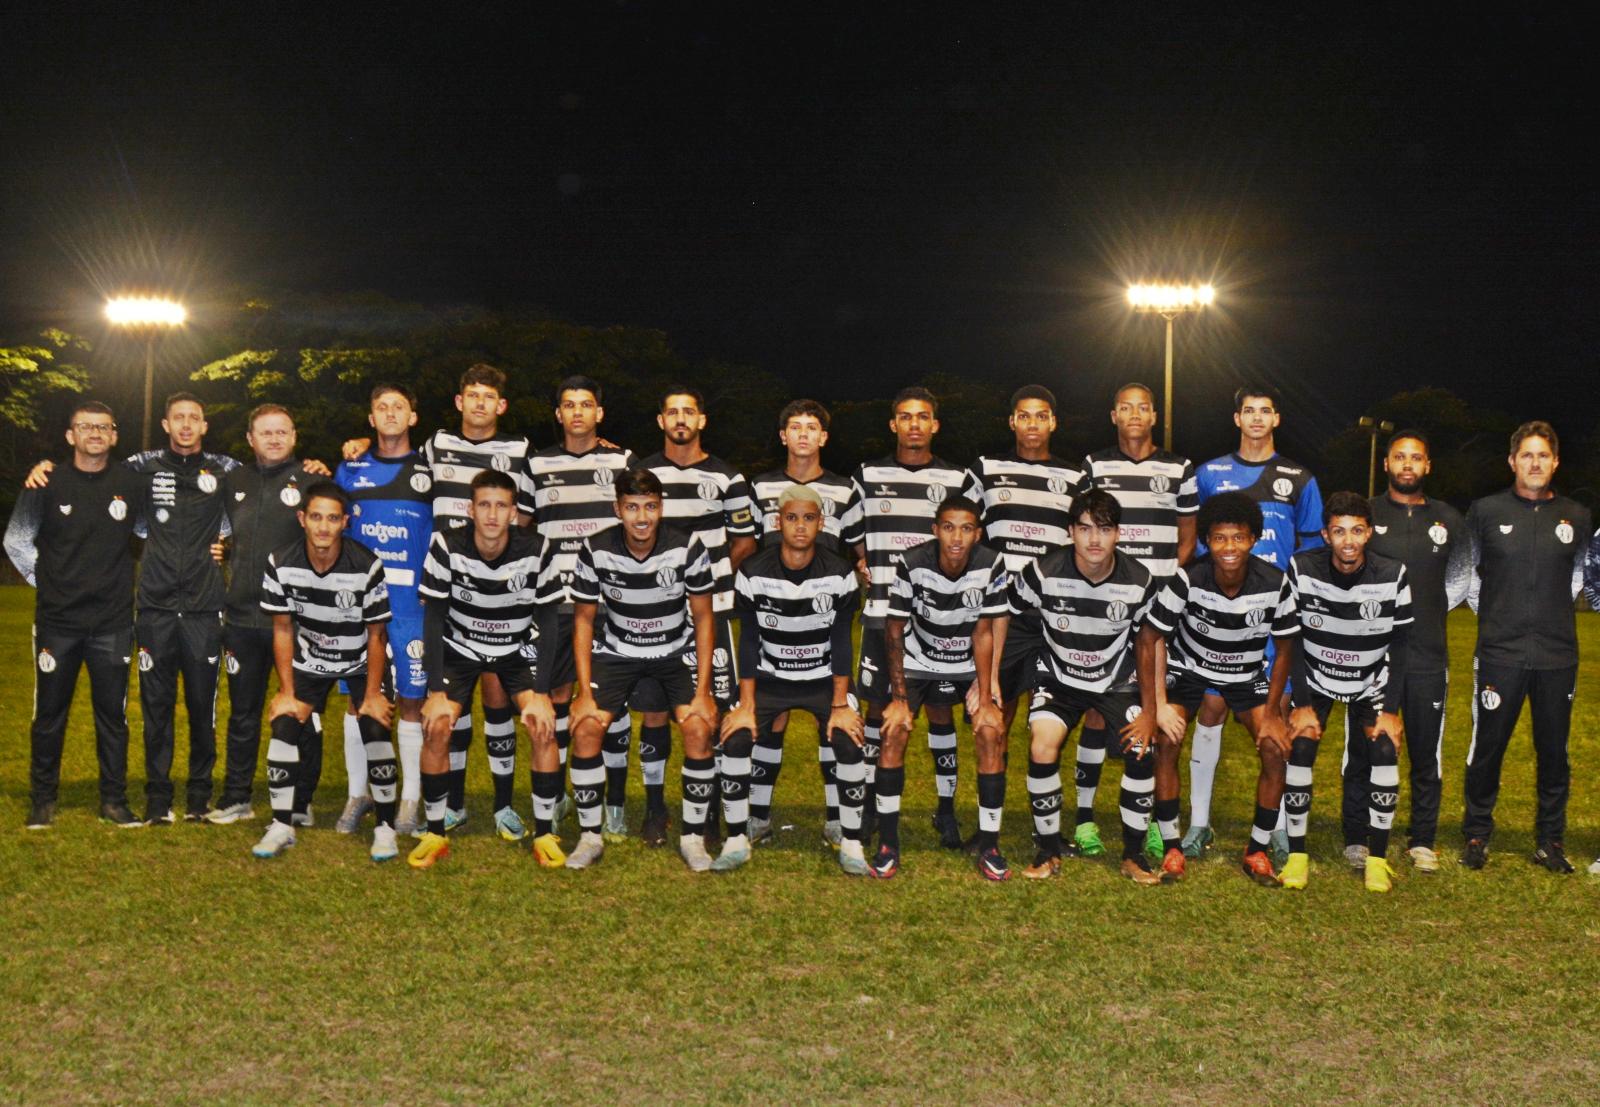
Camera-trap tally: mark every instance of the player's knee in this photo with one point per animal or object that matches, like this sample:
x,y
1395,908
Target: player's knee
x,y
1272,761
845,750
1383,751
1213,710
738,744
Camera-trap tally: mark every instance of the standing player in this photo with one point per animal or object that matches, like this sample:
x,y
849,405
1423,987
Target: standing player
x,y
262,500
1217,616
391,506
1156,489
1291,510
1524,553
574,495
897,496
1421,534
1091,601
454,458
1028,495
480,583
795,603
706,497
803,432
329,606
1355,615
73,542
655,583
943,603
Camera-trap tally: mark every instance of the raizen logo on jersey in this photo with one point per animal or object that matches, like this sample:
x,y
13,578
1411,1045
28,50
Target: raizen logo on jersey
x,y
385,532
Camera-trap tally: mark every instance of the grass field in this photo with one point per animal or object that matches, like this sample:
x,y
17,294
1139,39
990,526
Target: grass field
x,y
169,966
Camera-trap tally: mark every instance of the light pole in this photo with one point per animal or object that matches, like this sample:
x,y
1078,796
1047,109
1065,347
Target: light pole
x,y
1169,301
1373,429
149,316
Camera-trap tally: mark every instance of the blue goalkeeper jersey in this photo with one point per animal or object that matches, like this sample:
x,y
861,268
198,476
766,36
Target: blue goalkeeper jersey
x,y
1291,504
392,515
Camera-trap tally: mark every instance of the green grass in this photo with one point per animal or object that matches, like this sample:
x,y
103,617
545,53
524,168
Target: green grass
x,y
169,966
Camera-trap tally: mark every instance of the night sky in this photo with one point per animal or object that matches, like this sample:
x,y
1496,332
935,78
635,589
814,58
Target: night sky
x,y
851,200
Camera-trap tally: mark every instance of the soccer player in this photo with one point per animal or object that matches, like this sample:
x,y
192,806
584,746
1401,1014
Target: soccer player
x,y
73,541
480,583
574,496
708,498
1028,494
1524,553
641,596
262,501
1156,489
1421,534
329,605
1355,617
795,601
1291,510
803,432
897,496
943,603
1091,601
454,458
390,486
1217,616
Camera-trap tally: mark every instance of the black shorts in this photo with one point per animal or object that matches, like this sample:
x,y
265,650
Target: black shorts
x,y
932,691
1187,690
1118,705
461,674
615,680
774,697
563,669
649,696
872,674
313,688
1360,713
1019,658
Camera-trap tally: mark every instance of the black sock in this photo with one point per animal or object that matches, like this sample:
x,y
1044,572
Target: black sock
x,y
991,802
890,784
435,798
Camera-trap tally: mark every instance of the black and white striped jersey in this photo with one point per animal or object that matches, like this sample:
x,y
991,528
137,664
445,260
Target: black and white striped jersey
x,y
643,603
942,612
841,514
1346,624
1220,638
897,504
330,610
574,497
454,460
1153,493
1088,628
710,500
795,613
490,604
1027,505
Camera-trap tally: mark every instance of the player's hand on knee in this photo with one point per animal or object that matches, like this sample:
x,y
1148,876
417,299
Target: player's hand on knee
x,y
539,717
842,718
1139,735
1388,724
378,709
284,703
1303,723
988,716
897,719
706,708
437,706
1271,733
742,717
1171,723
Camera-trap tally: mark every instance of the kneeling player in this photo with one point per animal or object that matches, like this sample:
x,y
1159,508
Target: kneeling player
x,y
1091,601
479,585
1217,616
1355,609
642,596
794,602
947,592
329,604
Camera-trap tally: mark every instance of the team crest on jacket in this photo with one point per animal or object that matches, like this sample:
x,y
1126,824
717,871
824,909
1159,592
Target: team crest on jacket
x,y
162,515
207,482
1564,532
1490,698
117,508
1282,487
230,663
47,662
1438,535
290,496
1379,528
146,662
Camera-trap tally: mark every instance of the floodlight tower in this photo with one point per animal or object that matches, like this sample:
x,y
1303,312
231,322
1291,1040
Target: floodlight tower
x,y
1169,301
150,316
